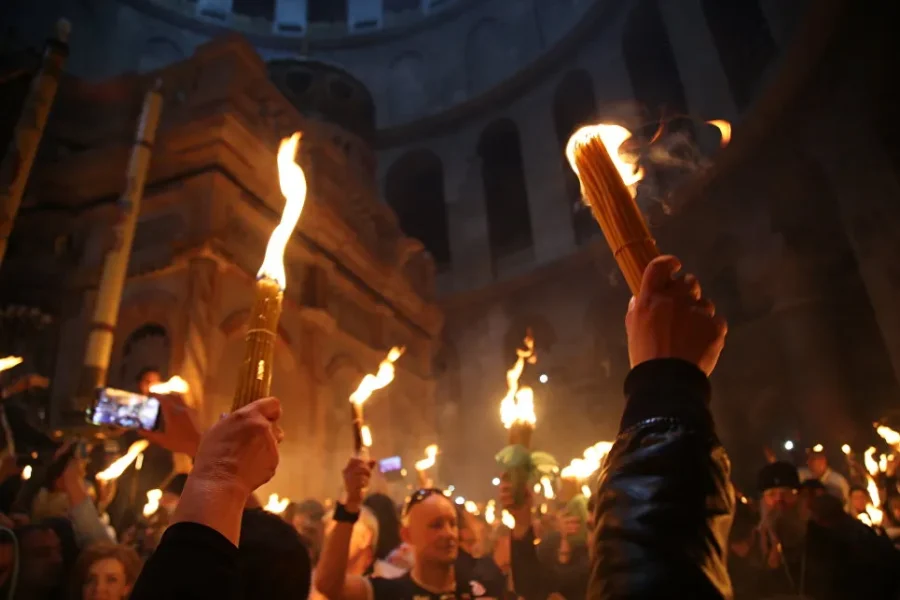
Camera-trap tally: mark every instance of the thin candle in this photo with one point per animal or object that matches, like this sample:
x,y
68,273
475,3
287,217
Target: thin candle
x,y
369,384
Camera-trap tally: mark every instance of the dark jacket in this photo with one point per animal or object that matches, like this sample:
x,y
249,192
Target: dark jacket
x,y
535,579
664,502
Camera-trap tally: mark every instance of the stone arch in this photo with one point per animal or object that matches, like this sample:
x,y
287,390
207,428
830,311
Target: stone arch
x,y
414,188
505,191
490,54
148,346
326,11
137,310
407,87
744,42
574,105
158,52
650,61
552,17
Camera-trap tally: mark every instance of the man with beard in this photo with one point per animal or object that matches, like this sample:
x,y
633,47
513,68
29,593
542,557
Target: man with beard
x,y
430,525
809,548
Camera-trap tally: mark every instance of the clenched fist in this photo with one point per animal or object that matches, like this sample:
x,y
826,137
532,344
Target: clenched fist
x,y
357,475
670,319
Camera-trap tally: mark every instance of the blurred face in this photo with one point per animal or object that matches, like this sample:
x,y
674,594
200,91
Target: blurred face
x,y
41,558
432,529
817,464
858,500
779,498
106,581
148,379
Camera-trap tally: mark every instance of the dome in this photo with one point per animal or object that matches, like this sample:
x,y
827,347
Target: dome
x,y
327,92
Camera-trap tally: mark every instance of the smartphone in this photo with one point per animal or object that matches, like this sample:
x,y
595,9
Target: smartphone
x,y
391,468
125,409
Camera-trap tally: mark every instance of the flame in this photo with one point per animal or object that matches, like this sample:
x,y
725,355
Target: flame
x,y
115,470
869,461
882,463
366,436
471,507
139,462
431,453
26,472
507,519
381,379
9,362
889,435
582,468
586,491
490,514
548,488
724,128
612,137
518,404
818,448
293,188
276,505
175,385
153,498
846,449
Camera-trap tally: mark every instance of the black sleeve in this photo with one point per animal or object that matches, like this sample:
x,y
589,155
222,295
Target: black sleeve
x,y
192,562
530,579
664,501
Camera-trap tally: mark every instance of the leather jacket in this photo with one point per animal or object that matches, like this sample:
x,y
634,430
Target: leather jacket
x,y
665,502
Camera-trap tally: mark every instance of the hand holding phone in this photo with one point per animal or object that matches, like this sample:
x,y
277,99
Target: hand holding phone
x,y
129,410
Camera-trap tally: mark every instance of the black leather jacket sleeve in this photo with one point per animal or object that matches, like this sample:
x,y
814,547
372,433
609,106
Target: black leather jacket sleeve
x,y
664,501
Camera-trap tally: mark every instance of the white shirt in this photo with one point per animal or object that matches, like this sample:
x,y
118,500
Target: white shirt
x,y
834,482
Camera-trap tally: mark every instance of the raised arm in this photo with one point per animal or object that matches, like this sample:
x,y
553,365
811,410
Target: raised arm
x,y
665,501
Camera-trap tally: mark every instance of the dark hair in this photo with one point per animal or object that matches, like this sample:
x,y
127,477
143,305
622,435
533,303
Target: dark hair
x,y
144,371
131,564
272,559
388,524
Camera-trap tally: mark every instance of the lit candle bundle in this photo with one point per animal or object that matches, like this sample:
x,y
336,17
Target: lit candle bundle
x,y
255,376
8,362
517,407
115,470
362,436
873,515
276,505
426,463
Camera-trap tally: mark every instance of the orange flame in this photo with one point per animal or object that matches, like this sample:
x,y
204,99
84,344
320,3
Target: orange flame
x,y
889,435
724,128
426,463
518,404
366,436
175,385
383,377
293,188
276,505
9,362
612,137
582,468
490,512
115,470
153,498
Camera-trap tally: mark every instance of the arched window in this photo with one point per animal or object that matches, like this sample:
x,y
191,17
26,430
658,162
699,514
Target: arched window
x,y
574,105
414,188
147,346
326,11
651,64
158,52
745,44
505,193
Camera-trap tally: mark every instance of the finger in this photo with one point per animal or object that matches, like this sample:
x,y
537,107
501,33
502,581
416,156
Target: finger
x,y
706,307
657,276
278,432
721,325
692,286
270,408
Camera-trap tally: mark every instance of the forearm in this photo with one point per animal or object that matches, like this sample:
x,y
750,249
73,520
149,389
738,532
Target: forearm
x,y
331,572
665,501
201,493
529,575
87,525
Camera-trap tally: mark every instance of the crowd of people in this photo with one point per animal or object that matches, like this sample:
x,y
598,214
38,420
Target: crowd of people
x,y
663,519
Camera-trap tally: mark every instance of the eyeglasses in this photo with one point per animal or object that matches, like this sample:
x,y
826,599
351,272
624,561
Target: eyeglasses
x,y
418,496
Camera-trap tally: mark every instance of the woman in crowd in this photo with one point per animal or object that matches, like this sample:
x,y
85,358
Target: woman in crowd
x,y
105,571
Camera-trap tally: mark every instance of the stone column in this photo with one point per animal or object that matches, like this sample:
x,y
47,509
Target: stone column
x,y
470,248
705,84
548,202
290,17
365,15
214,10
200,308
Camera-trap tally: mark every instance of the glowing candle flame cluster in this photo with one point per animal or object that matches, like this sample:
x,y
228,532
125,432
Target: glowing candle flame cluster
x,y
8,362
873,515
426,463
582,468
383,377
490,512
276,505
724,128
366,436
293,188
115,470
153,498
612,137
518,404
175,385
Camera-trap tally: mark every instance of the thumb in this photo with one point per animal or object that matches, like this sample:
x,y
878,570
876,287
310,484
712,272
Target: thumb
x,y
270,408
657,276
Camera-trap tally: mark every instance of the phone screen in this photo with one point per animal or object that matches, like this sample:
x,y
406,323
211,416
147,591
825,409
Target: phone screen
x,y
391,467
125,409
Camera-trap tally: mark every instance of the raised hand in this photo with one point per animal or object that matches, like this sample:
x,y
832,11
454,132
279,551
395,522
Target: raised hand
x,y
181,429
357,475
670,319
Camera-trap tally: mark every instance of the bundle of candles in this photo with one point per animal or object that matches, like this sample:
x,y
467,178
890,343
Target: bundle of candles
x,y
580,470
517,407
426,463
362,436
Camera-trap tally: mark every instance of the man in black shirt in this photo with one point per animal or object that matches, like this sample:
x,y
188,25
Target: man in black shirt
x,y
430,525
